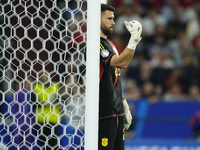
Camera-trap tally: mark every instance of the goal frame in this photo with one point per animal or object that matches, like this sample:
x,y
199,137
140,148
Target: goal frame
x,y
92,75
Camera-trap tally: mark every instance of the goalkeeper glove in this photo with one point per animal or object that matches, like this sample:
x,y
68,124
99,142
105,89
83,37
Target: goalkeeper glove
x,y
128,117
135,28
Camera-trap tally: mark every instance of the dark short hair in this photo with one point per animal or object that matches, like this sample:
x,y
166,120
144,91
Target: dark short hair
x,y
105,7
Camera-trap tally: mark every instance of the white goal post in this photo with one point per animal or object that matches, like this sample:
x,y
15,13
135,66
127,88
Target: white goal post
x,y
92,75
43,86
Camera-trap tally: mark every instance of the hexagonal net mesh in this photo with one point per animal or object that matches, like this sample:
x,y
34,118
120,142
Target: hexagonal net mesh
x,y
42,74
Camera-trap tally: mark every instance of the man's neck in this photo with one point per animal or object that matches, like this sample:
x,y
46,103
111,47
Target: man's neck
x,y
103,35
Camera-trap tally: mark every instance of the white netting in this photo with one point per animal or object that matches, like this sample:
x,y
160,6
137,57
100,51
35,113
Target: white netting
x,y
42,83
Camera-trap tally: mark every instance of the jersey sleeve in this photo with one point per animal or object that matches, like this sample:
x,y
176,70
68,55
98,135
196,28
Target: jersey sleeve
x,y
105,55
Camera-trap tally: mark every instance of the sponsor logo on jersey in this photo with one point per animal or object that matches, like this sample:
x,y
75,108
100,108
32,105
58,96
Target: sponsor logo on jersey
x,y
104,142
104,53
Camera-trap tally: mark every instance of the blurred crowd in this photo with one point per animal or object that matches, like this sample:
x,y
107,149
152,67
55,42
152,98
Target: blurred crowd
x,y
166,63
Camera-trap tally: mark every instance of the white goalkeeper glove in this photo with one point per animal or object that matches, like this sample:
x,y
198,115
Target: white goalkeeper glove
x,y
135,28
128,116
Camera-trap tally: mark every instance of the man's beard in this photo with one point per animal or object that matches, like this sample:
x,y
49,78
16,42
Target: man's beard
x,y
106,31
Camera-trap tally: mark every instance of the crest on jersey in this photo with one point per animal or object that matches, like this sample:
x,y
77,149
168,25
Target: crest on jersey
x,y
104,53
104,142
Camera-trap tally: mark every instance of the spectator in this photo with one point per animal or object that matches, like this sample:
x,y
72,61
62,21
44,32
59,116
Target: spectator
x,y
131,91
20,116
169,8
194,93
160,53
150,21
128,15
147,90
195,125
180,46
174,77
158,92
189,71
158,4
47,112
192,28
175,25
174,93
144,74
196,47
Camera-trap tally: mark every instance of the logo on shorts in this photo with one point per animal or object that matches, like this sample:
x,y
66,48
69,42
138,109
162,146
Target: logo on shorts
x,y
104,142
104,53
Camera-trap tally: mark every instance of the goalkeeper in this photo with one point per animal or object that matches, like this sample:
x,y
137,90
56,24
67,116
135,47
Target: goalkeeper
x,y
114,113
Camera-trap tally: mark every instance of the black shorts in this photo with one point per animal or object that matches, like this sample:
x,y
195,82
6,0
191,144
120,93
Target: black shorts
x,y
111,133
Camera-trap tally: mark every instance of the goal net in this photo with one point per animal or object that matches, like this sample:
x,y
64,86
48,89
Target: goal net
x,y
42,74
